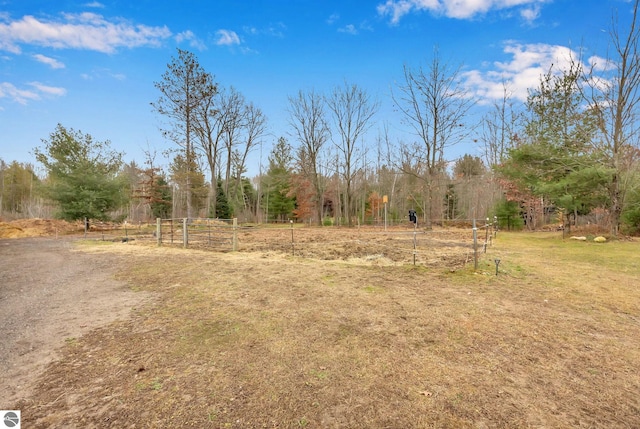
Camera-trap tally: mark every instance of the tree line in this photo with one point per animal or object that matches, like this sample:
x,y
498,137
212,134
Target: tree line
x,y
570,151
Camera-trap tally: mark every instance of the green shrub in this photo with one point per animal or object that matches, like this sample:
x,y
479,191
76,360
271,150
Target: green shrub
x,y
509,215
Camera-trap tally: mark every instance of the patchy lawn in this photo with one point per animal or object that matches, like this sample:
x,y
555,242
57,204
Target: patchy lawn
x,y
263,339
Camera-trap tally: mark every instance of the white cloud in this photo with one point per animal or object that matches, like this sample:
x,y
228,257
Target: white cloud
x,y
522,72
250,30
227,37
103,73
189,36
51,62
49,90
95,4
78,31
23,96
530,14
349,29
333,19
399,8
355,29
536,54
459,9
601,64
272,30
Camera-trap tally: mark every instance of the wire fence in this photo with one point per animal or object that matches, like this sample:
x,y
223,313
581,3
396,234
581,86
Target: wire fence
x,y
400,244
117,232
378,244
219,234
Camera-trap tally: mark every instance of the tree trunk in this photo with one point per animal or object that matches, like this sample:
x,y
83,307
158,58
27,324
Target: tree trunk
x,y
616,207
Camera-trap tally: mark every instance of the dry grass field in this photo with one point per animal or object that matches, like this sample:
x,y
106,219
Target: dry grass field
x,y
263,339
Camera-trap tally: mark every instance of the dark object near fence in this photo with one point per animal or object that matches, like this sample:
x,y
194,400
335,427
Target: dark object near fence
x,y
412,216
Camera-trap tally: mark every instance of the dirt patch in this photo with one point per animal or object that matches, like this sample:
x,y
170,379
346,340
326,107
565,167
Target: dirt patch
x,y
398,245
51,294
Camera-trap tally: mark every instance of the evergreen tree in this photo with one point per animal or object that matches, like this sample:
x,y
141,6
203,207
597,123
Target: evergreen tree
x,y
191,183
509,215
468,167
559,157
249,194
223,208
160,201
82,175
279,201
185,87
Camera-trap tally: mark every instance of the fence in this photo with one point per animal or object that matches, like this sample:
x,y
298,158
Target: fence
x,y
399,244
221,234
109,231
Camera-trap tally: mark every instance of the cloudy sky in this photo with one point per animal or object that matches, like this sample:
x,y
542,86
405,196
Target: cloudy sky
x,y
91,65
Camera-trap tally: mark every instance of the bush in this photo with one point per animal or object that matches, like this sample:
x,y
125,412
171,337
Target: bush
x,y
631,221
509,215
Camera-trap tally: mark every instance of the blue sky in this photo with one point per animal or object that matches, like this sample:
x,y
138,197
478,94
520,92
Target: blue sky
x,y
91,65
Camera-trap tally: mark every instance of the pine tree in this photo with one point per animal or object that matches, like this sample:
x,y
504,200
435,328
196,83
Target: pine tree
x,y
223,208
280,204
82,175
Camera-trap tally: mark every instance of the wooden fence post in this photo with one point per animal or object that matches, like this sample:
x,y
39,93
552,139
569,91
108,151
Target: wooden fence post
x,y
185,234
159,231
475,245
235,234
415,242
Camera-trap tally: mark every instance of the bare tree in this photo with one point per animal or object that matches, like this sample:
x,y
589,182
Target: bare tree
x,y
308,120
227,129
255,126
353,110
209,127
499,129
434,104
233,107
498,134
616,101
183,88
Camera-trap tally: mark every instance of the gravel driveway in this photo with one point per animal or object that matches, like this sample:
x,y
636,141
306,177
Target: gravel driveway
x,y
49,294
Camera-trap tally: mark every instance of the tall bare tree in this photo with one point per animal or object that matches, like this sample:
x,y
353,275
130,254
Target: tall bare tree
x,y
434,104
616,100
307,118
209,127
226,130
233,107
255,126
352,109
183,87
499,127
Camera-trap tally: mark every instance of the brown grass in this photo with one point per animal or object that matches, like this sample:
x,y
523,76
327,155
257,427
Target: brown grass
x,y
266,340
38,228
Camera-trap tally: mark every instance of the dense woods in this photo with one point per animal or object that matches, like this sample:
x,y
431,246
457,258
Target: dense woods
x,y
570,154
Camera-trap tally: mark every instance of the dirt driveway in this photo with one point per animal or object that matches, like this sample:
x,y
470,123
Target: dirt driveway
x,y
50,294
